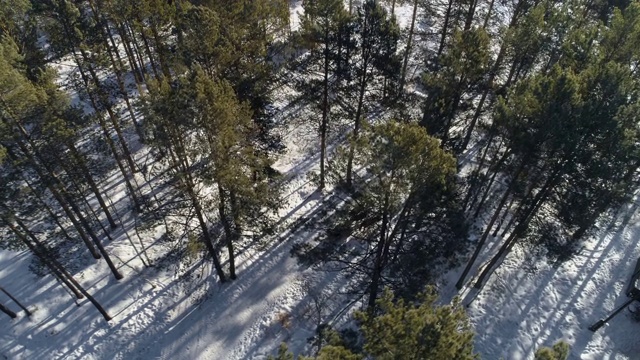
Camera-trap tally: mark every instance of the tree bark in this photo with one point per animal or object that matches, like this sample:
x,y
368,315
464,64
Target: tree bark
x,y
488,16
379,260
8,311
487,230
325,110
228,231
16,301
445,28
470,13
407,52
539,199
356,127
92,184
58,272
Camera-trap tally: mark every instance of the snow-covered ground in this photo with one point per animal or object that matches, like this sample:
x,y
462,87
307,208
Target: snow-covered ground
x,y
159,316
528,305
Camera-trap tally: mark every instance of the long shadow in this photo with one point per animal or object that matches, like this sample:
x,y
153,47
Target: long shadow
x,y
559,316
259,272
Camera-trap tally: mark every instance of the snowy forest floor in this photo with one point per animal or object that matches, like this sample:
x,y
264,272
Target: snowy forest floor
x,y
159,313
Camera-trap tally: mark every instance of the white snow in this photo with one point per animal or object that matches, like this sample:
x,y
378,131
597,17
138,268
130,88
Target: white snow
x,y
528,305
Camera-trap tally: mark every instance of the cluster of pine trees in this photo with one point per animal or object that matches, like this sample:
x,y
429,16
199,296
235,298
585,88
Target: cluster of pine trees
x,y
540,96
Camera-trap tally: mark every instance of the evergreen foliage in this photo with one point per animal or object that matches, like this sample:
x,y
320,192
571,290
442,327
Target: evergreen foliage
x,y
559,351
407,331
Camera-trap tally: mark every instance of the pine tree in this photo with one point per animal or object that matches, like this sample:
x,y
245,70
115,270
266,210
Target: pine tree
x,y
559,351
170,117
322,24
402,164
462,69
232,162
378,37
404,330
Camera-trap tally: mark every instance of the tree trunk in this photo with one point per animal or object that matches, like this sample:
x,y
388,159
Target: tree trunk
x,y
539,199
494,70
181,162
7,311
131,58
58,271
46,206
445,28
488,16
407,52
487,189
116,62
56,194
92,184
109,141
379,260
325,111
228,232
160,49
487,230
470,12
112,116
473,185
16,301
356,127
95,239
506,212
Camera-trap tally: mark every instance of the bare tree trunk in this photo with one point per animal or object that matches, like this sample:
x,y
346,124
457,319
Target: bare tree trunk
x,y
118,66
445,28
53,263
181,162
356,127
16,301
92,184
407,52
58,272
325,111
376,275
131,58
488,16
46,206
229,233
487,189
470,13
537,202
485,235
7,311
54,191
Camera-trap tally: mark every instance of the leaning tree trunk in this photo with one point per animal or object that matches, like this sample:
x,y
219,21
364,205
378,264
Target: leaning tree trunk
x,y
16,301
80,161
58,272
537,202
66,277
487,231
31,158
7,311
